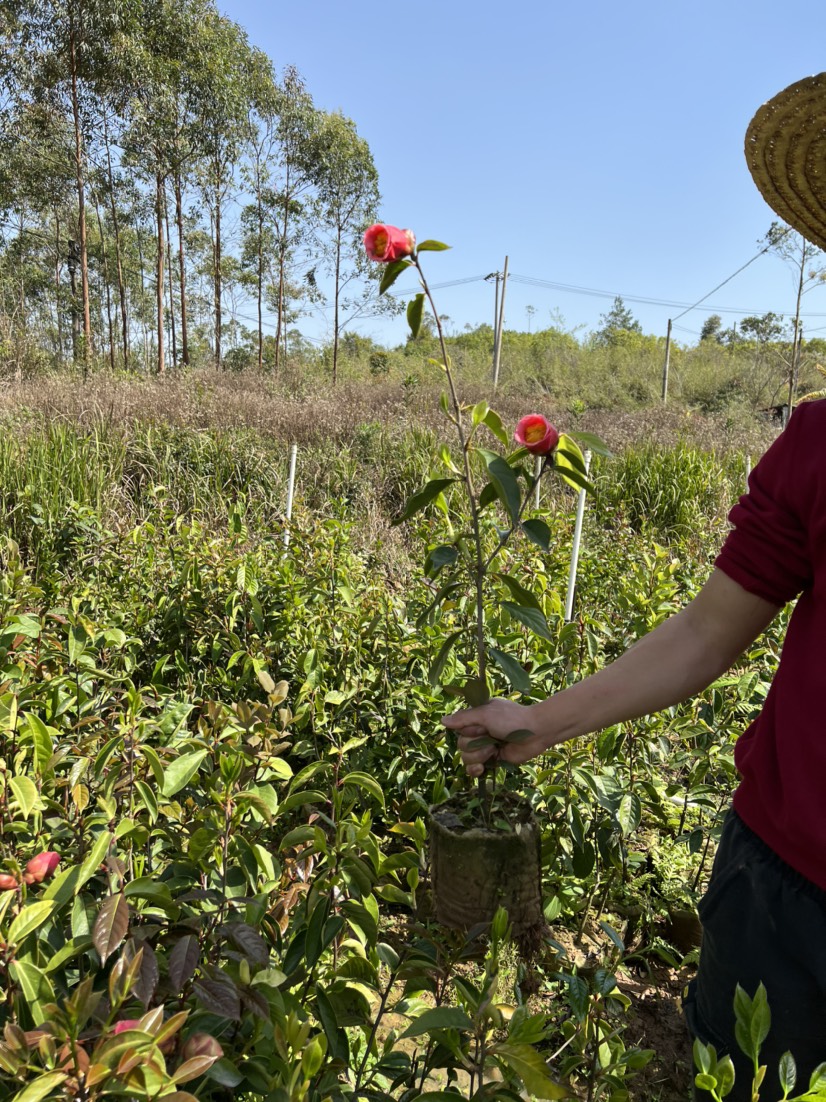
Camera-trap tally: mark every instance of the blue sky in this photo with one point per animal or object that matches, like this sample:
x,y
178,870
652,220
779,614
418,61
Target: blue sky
x,y
598,145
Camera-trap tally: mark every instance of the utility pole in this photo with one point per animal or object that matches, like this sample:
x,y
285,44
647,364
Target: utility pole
x,y
497,345
667,358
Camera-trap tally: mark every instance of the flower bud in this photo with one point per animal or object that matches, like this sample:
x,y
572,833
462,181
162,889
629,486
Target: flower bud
x,y
201,1044
41,867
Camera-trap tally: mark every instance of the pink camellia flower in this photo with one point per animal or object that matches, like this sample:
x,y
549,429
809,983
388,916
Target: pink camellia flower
x,y
126,1023
537,434
8,882
386,243
41,866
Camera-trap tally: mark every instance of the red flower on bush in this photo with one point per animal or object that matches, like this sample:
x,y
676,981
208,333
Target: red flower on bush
x,y
8,882
41,866
386,243
537,434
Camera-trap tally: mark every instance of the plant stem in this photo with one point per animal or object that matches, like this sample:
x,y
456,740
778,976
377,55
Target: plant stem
x,y
479,564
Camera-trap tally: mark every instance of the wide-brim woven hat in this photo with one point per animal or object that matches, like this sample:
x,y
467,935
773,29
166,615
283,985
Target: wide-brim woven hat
x,y
786,153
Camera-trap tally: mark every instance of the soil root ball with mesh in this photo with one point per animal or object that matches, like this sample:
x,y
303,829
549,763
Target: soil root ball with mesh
x,y
477,868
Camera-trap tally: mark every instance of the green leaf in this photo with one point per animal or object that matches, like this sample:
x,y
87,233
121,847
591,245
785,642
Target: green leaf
x,y
573,453
439,1017
431,246
787,1070
503,476
569,464
415,311
511,669
42,740
475,692
725,1076
36,987
629,813
337,1044
570,475
436,670
26,794
41,1087
30,918
423,497
537,532
111,925
391,273
494,423
528,1064
181,771
487,496
147,887
366,782
705,1082
150,800
438,558
592,443
520,594
532,618
479,412
154,763
607,928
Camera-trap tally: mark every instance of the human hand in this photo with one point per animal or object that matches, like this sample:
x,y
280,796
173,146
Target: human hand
x,y
496,719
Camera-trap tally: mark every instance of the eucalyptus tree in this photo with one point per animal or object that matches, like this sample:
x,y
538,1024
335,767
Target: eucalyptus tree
x,y
35,204
259,218
347,192
231,75
298,121
65,51
155,125
808,265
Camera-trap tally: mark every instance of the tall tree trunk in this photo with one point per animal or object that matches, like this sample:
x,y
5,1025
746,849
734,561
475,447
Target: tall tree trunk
x,y
282,261
144,326
109,323
179,218
124,317
57,294
217,289
159,273
794,367
337,294
81,196
260,264
171,286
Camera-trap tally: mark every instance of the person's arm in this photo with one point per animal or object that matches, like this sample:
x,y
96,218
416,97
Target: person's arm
x,y
675,661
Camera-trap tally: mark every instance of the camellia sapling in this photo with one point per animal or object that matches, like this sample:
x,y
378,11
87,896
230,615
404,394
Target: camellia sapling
x,y
490,479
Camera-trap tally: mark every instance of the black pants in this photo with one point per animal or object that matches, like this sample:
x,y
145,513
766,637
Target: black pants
x,y
762,922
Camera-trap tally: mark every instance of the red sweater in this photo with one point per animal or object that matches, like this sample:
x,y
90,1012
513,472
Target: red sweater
x,y
777,550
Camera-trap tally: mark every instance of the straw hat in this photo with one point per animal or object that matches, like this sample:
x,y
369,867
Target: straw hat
x,y
786,153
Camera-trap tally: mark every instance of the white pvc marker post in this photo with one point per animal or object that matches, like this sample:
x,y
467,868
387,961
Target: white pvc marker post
x,y
580,513
290,490
537,471
748,471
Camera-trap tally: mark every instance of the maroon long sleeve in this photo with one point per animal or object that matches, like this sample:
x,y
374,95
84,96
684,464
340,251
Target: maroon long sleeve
x,y
777,550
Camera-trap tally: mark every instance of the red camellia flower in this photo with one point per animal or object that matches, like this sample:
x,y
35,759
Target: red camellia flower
x,y
41,866
8,882
537,434
386,243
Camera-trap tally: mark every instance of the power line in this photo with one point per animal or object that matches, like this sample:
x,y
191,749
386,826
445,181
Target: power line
x,y
765,249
